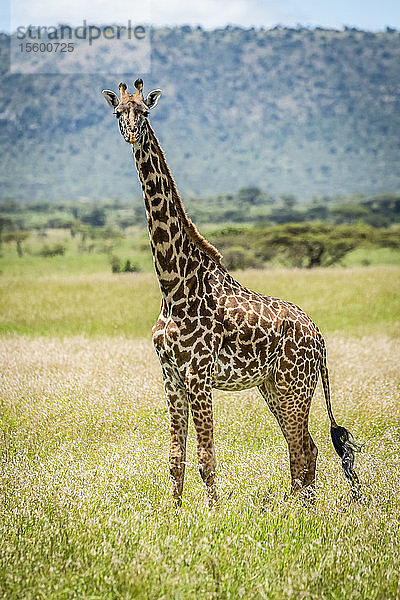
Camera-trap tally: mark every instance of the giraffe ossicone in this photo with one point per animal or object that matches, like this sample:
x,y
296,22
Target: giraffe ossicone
x,y
213,332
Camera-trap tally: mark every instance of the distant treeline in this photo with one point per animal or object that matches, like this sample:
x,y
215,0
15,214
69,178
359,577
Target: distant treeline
x,y
248,205
252,205
252,228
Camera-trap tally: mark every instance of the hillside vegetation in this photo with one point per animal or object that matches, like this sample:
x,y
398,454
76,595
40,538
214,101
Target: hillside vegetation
x,y
305,112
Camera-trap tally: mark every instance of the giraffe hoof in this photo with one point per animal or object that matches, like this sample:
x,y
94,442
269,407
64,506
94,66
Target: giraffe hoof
x,y
177,503
308,495
210,498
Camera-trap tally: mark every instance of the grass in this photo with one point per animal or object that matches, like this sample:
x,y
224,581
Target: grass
x,y
85,509
69,305
84,489
358,301
93,256
372,257
80,257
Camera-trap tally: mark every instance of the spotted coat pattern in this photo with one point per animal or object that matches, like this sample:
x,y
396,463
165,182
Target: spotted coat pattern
x,y
214,333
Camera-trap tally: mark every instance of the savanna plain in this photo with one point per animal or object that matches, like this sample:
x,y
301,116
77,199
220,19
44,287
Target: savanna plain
x,y
85,511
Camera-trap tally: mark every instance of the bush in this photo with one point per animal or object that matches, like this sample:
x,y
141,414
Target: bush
x,y
96,217
239,258
115,264
129,266
49,251
127,221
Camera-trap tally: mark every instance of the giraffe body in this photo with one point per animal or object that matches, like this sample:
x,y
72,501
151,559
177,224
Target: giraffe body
x,y
214,333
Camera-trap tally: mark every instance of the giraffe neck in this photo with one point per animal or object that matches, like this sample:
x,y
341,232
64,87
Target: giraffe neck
x,y
179,251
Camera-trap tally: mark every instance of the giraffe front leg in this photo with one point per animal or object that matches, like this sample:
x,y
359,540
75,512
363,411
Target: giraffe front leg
x,y
179,412
200,396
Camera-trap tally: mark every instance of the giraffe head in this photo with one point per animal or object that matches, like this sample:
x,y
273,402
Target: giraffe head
x,y
132,110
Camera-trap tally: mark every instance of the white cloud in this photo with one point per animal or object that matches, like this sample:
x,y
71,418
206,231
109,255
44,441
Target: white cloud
x,y
218,13
208,13
50,12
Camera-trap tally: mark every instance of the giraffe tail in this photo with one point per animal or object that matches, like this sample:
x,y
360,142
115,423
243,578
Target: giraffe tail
x,y
342,440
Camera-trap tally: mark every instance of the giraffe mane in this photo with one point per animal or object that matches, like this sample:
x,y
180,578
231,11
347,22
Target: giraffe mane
x,y
188,225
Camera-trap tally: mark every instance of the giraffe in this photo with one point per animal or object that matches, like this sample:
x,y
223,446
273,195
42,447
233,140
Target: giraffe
x,y
213,332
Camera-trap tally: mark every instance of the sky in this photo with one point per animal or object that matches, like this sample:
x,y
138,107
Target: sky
x,y
363,14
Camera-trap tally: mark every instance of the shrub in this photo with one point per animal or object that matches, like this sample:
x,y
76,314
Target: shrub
x,y
115,264
239,258
54,250
129,266
96,217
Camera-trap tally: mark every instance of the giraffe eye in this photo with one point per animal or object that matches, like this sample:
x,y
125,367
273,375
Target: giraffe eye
x,y
146,113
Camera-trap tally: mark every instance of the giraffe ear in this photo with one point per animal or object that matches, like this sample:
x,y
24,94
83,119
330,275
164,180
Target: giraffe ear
x,y
152,98
112,99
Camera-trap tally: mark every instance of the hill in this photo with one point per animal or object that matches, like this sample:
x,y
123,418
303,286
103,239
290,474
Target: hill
x,y
294,111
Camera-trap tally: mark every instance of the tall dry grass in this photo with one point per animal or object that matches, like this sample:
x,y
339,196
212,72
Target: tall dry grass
x,y
85,510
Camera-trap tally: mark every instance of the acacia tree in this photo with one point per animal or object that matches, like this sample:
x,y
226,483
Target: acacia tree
x,y
18,237
5,222
250,195
314,244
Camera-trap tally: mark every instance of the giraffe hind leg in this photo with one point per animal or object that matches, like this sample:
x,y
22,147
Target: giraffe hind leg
x,y
291,412
201,407
311,452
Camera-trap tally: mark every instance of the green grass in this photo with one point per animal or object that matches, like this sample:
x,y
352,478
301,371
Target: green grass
x,y
91,256
109,304
355,301
85,509
372,257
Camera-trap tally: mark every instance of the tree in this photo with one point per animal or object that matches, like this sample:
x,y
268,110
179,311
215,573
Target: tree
x,y
387,238
314,244
250,195
383,207
5,222
9,205
316,212
40,207
289,200
349,213
18,237
127,220
285,214
59,223
96,218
